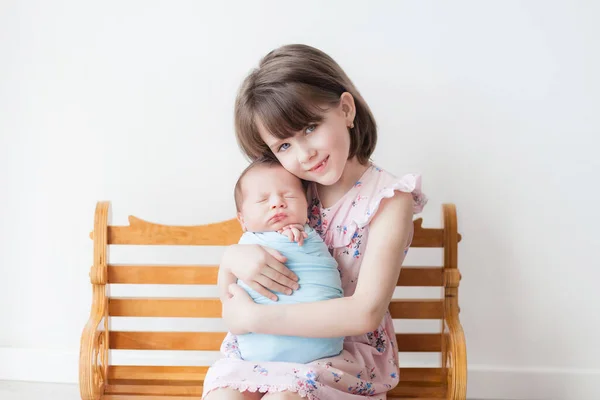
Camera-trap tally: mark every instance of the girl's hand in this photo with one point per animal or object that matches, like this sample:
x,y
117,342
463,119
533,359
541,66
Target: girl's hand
x,y
238,311
294,232
260,268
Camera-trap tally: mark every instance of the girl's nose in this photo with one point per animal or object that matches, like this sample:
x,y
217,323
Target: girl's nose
x,y
305,154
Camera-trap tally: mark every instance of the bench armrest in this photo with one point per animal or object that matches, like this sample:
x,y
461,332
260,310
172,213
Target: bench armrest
x,y
93,352
454,357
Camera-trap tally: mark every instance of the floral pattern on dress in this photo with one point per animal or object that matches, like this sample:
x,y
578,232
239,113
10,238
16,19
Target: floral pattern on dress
x,y
260,370
315,217
308,382
363,388
358,370
336,377
353,248
230,347
377,339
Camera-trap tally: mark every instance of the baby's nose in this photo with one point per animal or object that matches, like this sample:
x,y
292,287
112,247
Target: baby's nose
x,y
278,203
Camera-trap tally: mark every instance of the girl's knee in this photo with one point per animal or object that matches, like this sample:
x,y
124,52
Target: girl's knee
x,y
232,394
282,396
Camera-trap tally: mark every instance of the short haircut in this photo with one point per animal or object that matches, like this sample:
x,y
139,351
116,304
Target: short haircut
x,y
237,192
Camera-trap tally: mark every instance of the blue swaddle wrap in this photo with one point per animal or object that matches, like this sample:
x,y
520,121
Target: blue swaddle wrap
x,y
319,279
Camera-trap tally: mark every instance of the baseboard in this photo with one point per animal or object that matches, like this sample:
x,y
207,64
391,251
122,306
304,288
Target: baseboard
x,y
484,382
39,365
536,383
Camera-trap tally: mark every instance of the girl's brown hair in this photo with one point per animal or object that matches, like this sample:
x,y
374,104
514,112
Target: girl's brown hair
x,y
291,89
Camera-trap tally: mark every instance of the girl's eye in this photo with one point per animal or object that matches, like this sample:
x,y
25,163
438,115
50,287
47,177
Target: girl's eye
x,y
284,147
310,129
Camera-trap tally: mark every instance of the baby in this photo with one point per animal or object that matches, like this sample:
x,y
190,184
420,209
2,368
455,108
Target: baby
x,y
269,200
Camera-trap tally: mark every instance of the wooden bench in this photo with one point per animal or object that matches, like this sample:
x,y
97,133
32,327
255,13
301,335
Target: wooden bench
x,y
100,379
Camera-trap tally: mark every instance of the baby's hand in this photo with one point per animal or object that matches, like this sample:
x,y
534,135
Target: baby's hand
x,y
294,232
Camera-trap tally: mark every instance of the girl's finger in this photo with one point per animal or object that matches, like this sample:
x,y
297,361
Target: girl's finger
x,y
275,254
280,279
272,285
235,290
262,291
275,259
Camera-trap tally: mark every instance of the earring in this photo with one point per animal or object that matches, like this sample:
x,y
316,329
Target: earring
x,y
352,125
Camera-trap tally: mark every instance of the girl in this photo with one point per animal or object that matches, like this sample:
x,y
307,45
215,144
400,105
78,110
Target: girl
x,y
299,108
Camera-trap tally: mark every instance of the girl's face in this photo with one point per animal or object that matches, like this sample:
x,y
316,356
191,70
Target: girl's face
x,y
319,152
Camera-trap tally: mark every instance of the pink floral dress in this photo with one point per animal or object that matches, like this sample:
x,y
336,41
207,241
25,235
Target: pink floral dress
x,y
368,365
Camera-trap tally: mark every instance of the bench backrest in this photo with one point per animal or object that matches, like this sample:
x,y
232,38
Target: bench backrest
x,y
119,379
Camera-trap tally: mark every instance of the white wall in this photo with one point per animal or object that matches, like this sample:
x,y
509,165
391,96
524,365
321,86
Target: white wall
x,y
495,103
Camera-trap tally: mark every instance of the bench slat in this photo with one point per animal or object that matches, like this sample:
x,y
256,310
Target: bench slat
x,y
164,274
207,275
124,381
156,372
417,309
419,390
421,276
140,232
179,375
204,341
164,307
211,308
150,389
405,388
211,341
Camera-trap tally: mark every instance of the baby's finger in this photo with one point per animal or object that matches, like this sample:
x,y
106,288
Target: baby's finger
x,y
296,234
303,235
289,234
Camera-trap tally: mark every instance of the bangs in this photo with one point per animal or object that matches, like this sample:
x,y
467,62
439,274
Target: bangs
x,y
285,110
293,87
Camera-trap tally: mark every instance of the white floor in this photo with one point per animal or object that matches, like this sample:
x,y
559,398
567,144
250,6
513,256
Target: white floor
x,y
16,390
13,390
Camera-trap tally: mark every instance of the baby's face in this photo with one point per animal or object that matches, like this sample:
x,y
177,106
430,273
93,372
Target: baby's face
x,y
272,198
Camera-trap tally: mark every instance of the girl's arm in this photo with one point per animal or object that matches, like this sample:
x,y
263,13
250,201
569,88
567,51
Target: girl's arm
x,y
354,315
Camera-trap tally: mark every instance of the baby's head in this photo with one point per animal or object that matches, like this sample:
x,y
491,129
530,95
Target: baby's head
x,y
268,197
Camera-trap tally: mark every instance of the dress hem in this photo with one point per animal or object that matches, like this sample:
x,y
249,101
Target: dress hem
x,y
262,389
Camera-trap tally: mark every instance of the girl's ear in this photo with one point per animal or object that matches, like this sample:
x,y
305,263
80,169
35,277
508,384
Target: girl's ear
x,y
348,108
240,219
